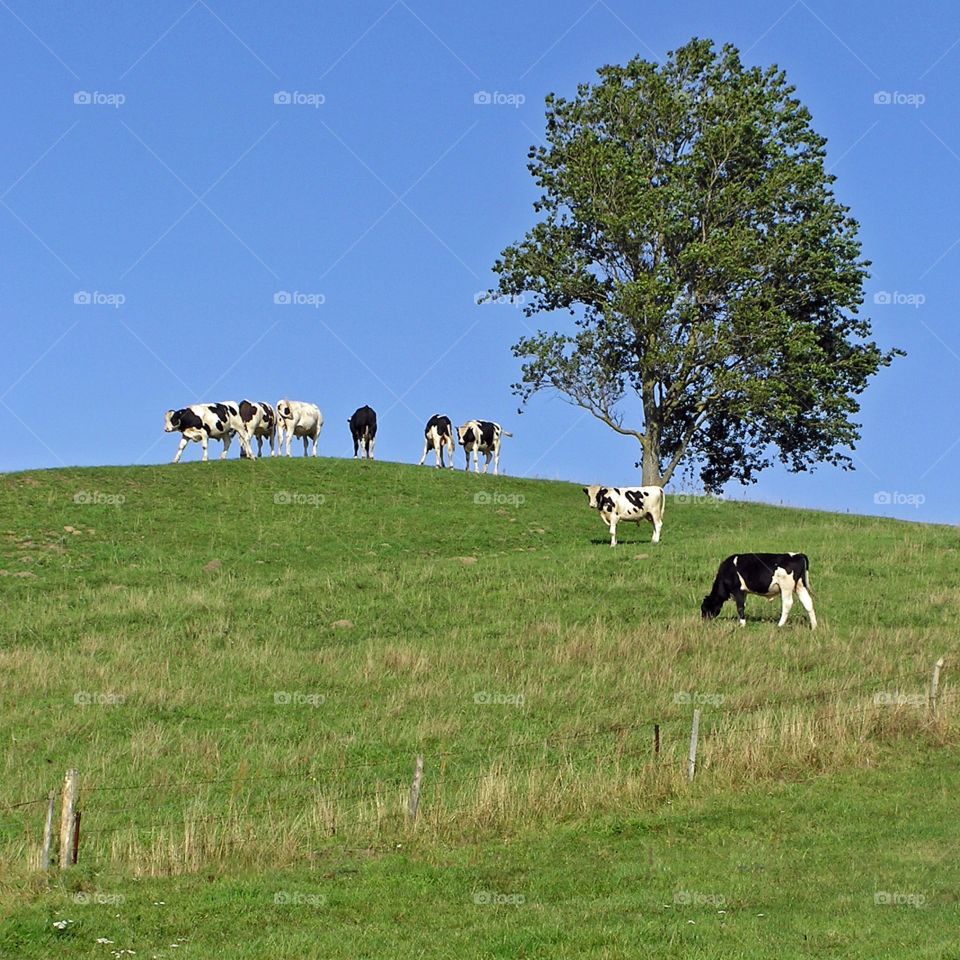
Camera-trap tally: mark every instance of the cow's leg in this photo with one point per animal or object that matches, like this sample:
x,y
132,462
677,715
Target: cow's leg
x,y
613,531
496,460
316,440
450,451
426,448
370,444
657,526
739,598
786,602
183,442
356,447
226,446
438,453
803,595
203,443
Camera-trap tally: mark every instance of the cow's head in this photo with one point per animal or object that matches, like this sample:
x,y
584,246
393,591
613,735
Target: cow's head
x,y
171,421
710,607
283,409
593,494
466,434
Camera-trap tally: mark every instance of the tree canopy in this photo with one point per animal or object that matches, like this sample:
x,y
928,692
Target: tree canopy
x,y
687,221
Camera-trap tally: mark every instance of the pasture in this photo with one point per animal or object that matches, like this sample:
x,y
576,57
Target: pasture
x,y
242,660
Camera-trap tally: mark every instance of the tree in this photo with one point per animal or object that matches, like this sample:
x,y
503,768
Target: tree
x,y
688,223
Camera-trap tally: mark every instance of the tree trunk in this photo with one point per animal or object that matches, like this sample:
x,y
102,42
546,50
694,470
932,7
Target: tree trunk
x,y
651,464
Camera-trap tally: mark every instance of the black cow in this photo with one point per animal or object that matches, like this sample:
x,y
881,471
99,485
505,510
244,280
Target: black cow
x,y
438,434
363,429
765,574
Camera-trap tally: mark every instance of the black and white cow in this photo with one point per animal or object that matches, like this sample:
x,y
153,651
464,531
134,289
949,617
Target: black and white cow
x,y
632,504
201,422
481,436
258,422
438,434
298,419
765,574
363,429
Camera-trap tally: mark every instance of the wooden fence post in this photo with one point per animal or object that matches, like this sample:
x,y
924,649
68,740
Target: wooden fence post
x,y
67,803
694,735
48,832
414,800
935,686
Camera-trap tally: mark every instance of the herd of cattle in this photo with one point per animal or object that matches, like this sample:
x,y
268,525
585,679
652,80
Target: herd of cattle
x,y
766,574
251,420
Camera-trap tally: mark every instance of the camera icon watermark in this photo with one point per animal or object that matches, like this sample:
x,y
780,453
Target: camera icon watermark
x,y
96,298
894,898
483,498
294,898
484,698
705,499
288,498
297,298
894,498
893,698
86,698
283,698
484,298
897,98
485,98
886,298
484,898
94,98
699,699
691,898
295,98
98,498
83,898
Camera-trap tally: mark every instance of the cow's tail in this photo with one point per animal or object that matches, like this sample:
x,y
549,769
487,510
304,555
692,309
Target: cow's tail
x,y
805,573
503,433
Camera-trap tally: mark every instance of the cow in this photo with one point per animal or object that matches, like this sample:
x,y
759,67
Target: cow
x,y
298,419
481,436
363,429
438,434
632,504
201,422
765,574
259,421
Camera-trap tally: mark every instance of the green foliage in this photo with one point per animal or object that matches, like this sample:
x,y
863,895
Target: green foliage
x,y
689,225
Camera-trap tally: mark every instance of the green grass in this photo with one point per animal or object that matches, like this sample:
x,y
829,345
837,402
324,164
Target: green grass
x,y
256,678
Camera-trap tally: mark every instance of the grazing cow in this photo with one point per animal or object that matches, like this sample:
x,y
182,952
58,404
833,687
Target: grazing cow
x,y
765,574
632,504
258,421
437,435
481,436
298,419
201,422
363,429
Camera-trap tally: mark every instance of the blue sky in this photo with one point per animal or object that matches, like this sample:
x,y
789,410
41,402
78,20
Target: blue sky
x,y
182,198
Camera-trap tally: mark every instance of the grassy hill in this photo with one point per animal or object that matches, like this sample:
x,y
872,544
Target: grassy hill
x,y
242,661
